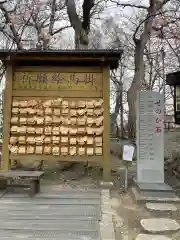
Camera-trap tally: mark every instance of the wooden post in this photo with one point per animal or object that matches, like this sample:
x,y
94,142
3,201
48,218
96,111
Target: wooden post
x,y
7,116
106,134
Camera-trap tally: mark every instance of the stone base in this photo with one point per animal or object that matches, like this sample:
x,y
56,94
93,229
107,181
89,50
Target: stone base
x,y
152,192
162,207
161,190
106,185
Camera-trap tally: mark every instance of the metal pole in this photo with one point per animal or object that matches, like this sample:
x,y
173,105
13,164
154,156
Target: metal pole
x,y
122,109
126,177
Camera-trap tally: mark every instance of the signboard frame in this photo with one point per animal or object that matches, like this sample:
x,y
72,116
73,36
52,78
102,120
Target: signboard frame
x,y
173,80
74,62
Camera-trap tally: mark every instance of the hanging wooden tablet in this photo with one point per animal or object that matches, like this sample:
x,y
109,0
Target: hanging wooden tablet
x,y
40,120
47,140
23,104
98,141
98,151
81,151
55,151
48,130
31,120
55,139
72,151
65,104
32,103
55,131
39,130
72,140
22,139
57,102
98,103
48,111
64,151
57,111
30,149
81,104
15,111
22,150
90,151
15,103
13,149
14,120
22,130
14,129
30,140
13,140
31,130
47,150
73,112
39,149
64,139
72,104
22,120
47,103
48,120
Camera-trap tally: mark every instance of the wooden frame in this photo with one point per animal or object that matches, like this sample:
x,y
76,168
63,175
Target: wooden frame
x,y
106,134
103,68
7,116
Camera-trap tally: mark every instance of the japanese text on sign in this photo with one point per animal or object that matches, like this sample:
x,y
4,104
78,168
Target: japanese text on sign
x,y
158,113
57,81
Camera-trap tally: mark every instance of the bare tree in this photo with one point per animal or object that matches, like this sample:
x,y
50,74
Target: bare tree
x,y
81,23
115,38
141,37
34,21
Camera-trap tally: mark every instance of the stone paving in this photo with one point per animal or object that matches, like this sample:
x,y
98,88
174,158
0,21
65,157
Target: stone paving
x,y
158,225
161,207
152,237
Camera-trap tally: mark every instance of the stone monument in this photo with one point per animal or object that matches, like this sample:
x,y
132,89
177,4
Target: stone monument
x,y
150,137
150,148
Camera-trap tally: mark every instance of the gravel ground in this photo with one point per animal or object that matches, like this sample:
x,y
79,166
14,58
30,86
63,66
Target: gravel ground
x,y
126,213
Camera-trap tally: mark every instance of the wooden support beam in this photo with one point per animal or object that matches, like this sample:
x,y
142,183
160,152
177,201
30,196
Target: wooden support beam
x,y
7,117
106,134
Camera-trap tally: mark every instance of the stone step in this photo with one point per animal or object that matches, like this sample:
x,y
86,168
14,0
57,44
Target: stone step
x,y
161,207
151,237
159,225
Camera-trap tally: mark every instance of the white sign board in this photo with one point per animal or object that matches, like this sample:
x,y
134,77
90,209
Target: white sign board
x,y
128,152
150,137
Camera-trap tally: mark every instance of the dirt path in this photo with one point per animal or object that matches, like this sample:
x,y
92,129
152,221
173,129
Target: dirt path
x,y
127,216
126,213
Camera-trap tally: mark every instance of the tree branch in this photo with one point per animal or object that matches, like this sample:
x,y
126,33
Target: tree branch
x,y
61,29
129,5
12,27
52,20
72,14
87,6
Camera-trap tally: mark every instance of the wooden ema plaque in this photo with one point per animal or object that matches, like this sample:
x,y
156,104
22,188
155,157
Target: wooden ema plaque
x,y
59,114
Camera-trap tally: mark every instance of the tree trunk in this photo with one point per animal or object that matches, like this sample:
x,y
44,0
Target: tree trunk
x,y
135,87
81,28
140,44
132,112
115,114
122,113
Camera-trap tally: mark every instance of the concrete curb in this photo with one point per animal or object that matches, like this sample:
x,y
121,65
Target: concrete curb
x,y
106,224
